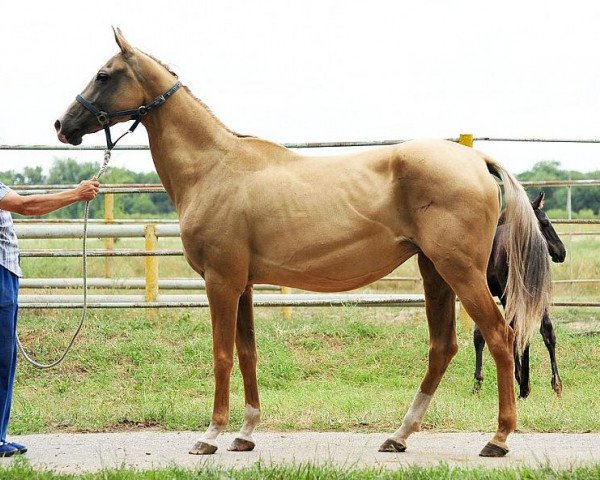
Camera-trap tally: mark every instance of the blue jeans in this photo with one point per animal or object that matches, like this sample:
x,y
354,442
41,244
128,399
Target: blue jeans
x,y
9,291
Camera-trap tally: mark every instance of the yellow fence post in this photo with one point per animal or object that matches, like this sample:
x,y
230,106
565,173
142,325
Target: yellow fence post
x,y
465,139
109,243
286,311
151,266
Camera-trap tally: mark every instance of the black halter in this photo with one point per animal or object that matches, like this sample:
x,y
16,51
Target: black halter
x,y
136,114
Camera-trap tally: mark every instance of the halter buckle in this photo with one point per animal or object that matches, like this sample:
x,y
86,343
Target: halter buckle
x,y
103,118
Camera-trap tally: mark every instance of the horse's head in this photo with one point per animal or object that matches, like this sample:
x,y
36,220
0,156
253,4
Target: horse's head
x,y
556,249
120,84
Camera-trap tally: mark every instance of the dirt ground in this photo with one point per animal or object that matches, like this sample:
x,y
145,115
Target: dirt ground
x,y
76,453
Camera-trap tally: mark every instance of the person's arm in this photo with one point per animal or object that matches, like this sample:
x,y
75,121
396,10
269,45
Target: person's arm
x,y
46,203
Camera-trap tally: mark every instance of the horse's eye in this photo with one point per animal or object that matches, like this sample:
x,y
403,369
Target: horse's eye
x,y
102,77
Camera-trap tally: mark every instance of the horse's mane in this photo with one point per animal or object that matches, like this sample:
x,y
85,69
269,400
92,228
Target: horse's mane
x,y
206,107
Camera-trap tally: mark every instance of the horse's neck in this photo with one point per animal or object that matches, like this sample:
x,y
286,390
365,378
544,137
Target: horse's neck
x,y
185,141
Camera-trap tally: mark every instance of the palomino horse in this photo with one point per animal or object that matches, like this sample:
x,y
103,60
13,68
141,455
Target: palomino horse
x,y
497,274
252,211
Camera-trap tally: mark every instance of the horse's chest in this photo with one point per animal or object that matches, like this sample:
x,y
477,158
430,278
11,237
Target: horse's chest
x,y
212,244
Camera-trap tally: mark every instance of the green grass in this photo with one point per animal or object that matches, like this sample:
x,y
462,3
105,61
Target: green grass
x,y
325,369
22,469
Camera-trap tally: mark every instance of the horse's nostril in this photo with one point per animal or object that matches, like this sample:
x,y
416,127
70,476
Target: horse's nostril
x,y
57,125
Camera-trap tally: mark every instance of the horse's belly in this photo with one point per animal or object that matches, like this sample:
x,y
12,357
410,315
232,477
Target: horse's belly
x,y
325,265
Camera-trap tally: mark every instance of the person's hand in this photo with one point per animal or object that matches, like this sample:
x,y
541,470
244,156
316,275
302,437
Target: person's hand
x,y
87,190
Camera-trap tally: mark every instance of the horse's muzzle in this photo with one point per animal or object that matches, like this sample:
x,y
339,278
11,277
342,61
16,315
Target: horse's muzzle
x,y
74,137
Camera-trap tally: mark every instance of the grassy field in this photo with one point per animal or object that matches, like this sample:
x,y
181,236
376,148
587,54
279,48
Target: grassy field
x,y
325,369
309,472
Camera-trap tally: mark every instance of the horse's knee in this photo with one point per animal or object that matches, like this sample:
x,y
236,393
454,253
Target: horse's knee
x,y
223,364
547,331
440,354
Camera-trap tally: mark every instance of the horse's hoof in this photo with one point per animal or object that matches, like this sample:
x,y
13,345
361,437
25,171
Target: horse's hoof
x,y
392,446
523,394
241,445
477,386
202,448
557,387
493,450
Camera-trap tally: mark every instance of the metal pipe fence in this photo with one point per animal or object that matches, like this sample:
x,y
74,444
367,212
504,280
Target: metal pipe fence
x,y
110,228
152,284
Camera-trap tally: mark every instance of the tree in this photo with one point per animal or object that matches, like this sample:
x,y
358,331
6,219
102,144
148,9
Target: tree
x,y
70,172
30,176
582,198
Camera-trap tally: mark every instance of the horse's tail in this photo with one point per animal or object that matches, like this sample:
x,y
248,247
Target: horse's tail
x,y
528,290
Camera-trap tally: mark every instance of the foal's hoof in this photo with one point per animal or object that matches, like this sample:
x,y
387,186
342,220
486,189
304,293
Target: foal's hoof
x,y
557,387
392,446
493,450
241,445
524,393
202,448
477,386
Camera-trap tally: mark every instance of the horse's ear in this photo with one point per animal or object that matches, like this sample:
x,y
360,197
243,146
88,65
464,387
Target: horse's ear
x,y
121,42
539,201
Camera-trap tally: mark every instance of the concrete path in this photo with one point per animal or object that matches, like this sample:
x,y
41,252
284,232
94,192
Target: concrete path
x,y
75,453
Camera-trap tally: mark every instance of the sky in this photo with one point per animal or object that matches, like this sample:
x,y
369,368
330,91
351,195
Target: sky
x,y
308,71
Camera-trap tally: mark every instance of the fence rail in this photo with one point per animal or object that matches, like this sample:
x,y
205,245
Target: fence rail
x,y
260,300
301,145
152,298
110,228
158,188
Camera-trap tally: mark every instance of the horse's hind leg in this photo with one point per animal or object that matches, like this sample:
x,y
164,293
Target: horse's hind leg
x,y
478,343
439,305
246,350
547,331
470,286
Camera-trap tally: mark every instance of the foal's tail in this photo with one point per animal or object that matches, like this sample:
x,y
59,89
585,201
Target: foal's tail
x,y
528,290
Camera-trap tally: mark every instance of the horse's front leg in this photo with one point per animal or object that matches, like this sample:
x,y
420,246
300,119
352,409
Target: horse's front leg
x,y
223,300
246,349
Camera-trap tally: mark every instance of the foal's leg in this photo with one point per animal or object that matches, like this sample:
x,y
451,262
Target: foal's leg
x,y
517,364
479,343
439,306
547,331
223,301
246,349
523,379
521,365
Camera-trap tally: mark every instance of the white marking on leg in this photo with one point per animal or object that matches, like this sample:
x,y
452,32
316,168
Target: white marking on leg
x,y
211,434
251,419
412,419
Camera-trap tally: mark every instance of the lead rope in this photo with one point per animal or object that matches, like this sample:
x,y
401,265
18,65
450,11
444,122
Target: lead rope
x,y
86,214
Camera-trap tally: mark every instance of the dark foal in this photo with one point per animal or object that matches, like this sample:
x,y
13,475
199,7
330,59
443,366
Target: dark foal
x,y
497,273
